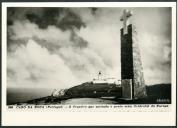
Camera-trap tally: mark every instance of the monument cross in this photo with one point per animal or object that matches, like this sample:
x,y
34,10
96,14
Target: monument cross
x,y
132,78
124,18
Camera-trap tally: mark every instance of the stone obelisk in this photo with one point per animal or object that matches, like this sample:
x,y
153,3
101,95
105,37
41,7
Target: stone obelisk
x,y
133,84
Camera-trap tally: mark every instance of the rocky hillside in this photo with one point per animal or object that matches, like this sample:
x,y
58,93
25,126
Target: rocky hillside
x,y
94,90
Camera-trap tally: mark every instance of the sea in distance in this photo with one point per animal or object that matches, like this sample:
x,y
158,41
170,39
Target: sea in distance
x,y
15,95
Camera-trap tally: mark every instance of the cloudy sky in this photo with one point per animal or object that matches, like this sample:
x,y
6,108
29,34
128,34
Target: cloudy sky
x,y
63,47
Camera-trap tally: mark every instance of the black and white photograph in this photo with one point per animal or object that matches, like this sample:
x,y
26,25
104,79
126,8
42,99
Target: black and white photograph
x,y
89,55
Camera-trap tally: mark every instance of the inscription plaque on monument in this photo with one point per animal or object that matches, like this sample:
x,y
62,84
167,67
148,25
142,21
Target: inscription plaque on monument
x,y
127,88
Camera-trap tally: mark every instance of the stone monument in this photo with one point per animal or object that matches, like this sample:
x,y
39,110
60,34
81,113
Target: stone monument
x,y
133,84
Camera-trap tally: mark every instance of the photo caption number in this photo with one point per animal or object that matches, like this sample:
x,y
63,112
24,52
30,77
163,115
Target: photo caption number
x,y
10,107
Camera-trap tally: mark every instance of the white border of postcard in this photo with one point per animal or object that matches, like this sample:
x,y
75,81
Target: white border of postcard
x,y
54,117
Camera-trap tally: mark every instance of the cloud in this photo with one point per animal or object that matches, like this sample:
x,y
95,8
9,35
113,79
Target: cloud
x,y
63,18
81,60
51,37
34,66
26,29
156,59
71,45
